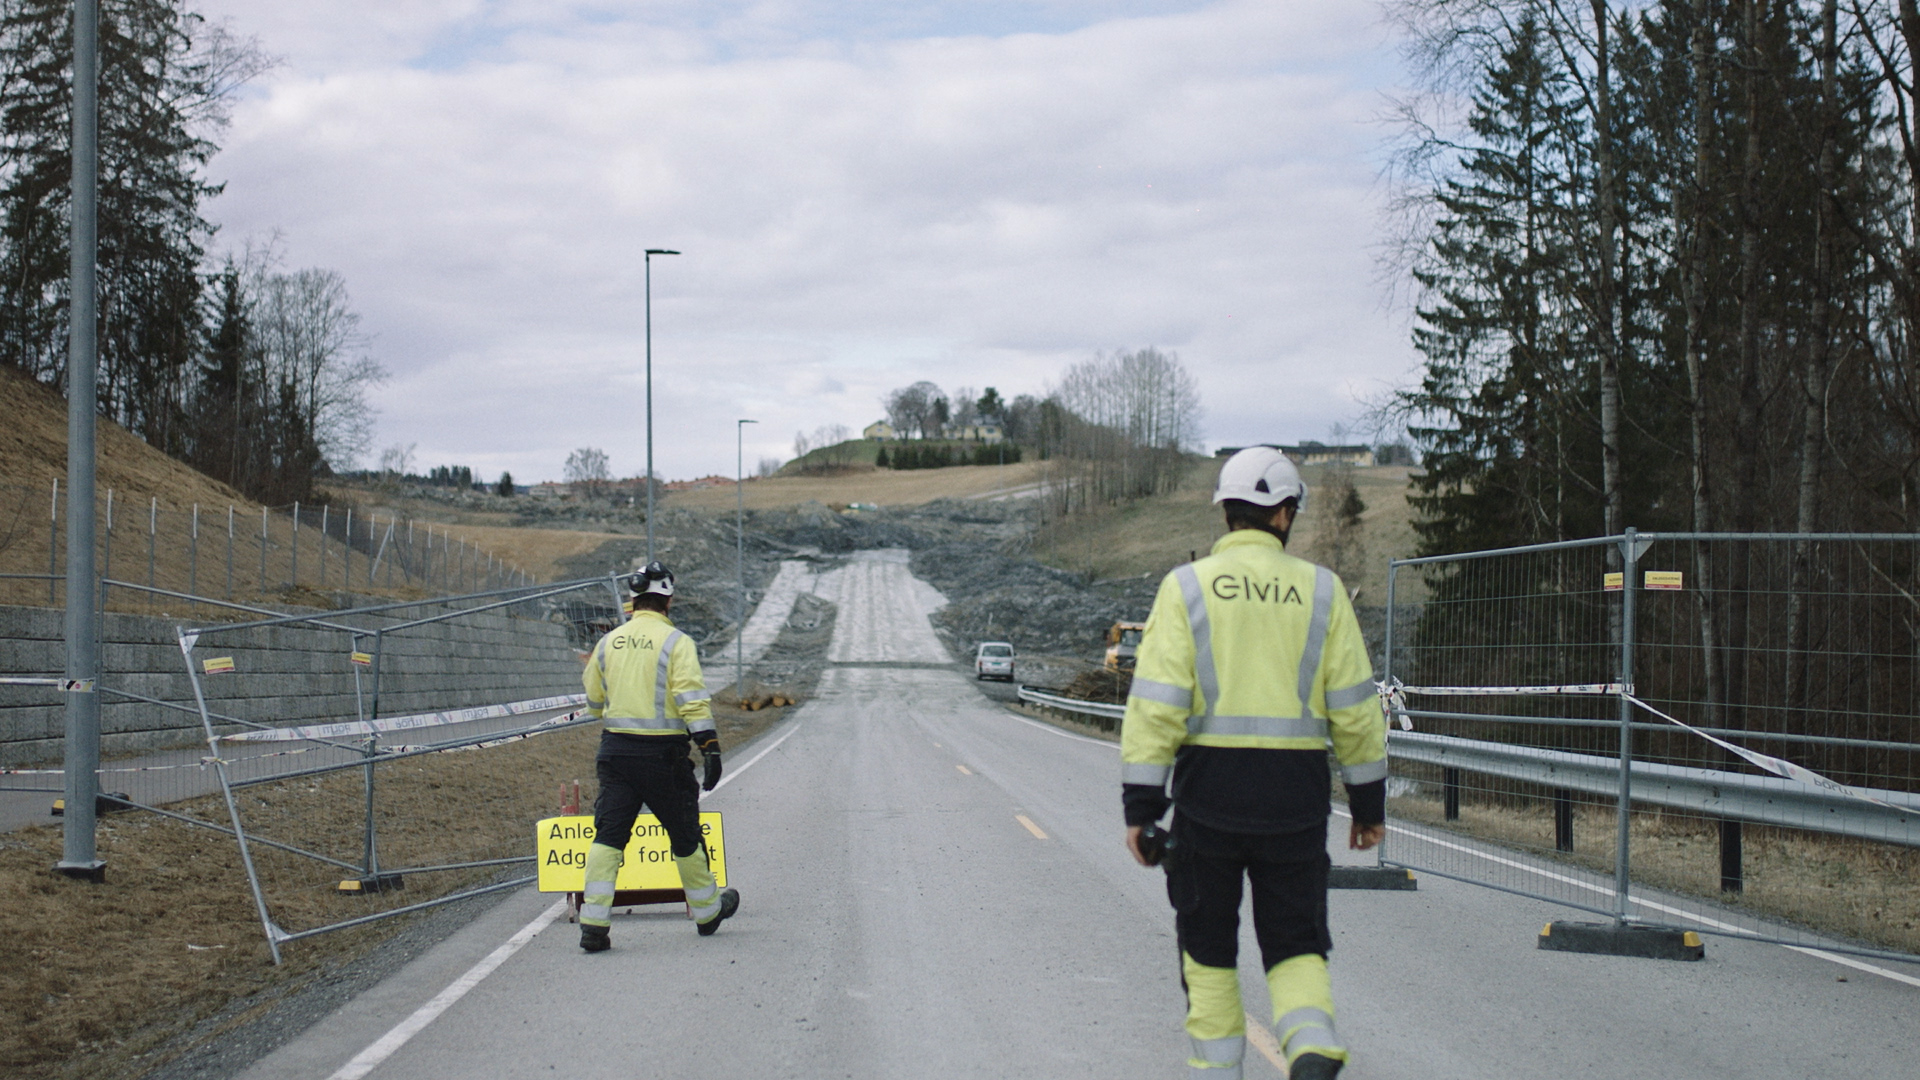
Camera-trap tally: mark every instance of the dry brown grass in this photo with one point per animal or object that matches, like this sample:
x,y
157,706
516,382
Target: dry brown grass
x,y
1151,536
1834,885
103,980
540,552
882,487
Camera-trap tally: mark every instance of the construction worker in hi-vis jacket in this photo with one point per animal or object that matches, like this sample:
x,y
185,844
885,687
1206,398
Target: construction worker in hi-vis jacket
x,y
1252,659
643,680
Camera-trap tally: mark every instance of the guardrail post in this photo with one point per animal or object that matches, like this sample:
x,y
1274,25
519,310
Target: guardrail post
x,y
1450,793
1629,587
1732,876
1563,820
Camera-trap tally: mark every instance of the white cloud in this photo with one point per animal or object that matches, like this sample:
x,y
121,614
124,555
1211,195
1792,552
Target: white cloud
x,y
858,210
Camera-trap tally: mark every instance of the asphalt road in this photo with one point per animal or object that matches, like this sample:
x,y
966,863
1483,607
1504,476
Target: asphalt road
x,y
934,887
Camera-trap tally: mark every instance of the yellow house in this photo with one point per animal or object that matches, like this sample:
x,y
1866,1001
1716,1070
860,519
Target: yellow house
x,y
879,430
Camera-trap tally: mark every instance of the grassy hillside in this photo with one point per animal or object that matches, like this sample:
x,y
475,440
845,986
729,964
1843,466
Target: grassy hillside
x,y
882,487
1152,536
33,454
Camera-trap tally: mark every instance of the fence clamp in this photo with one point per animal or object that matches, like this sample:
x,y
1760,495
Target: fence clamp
x,y
1394,701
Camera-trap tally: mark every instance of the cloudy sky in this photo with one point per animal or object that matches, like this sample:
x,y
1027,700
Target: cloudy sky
x,y
867,193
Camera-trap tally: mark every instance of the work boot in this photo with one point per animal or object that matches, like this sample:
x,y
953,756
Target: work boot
x,y
595,938
1313,1067
729,903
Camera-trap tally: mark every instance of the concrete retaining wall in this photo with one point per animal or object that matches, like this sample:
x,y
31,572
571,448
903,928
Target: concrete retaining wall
x,y
291,674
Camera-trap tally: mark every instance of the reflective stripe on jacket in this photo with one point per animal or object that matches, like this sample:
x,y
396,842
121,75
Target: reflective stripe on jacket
x,y
1252,647
644,678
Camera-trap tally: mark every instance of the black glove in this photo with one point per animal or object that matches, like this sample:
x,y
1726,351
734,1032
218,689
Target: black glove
x,y
712,779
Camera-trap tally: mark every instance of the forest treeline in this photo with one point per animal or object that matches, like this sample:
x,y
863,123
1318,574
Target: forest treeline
x,y
1668,266
253,373
1116,426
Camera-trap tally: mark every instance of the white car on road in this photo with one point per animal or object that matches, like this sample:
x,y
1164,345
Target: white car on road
x,y
993,660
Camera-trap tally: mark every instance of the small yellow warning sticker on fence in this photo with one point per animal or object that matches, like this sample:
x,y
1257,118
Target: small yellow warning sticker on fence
x,y
1615,582
1664,579
560,844
217,665
363,658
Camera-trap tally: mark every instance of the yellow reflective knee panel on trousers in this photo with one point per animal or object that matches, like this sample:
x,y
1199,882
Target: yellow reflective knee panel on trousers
x,y
696,877
596,899
1303,1007
1216,1022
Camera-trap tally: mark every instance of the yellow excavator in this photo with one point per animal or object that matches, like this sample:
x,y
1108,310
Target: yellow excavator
x,y
1123,639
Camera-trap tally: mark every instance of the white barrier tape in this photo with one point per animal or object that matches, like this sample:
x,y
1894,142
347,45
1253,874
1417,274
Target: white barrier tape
x,y
84,686
1395,702
564,718
1593,689
1780,767
407,723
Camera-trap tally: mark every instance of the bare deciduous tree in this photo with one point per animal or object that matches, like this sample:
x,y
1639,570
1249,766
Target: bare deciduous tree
x,y
586,469
1118,427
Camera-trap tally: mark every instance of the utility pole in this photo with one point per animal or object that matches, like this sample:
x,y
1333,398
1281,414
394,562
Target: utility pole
x,y
79,857
740,554
647,259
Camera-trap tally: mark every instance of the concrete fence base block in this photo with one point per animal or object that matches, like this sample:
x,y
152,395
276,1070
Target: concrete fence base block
x,y
1615,939
1372,877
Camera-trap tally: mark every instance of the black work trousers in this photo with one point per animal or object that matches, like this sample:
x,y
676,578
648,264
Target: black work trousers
x,y
662,783
1289,877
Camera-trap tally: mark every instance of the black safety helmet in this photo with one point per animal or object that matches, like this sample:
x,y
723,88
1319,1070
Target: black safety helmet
x,y
652,578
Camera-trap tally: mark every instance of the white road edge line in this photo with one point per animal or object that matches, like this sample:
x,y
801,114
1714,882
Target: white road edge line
x,y
1736,932
1050,729
384,1047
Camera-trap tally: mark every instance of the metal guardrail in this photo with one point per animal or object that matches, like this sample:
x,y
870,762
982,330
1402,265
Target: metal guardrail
x,y
1763,800
1067,704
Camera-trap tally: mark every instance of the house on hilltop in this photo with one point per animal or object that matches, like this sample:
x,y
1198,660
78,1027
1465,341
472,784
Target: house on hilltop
x,y
982,433
879,431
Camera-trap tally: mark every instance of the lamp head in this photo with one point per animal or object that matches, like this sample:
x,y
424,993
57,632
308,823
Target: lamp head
x,y
661,251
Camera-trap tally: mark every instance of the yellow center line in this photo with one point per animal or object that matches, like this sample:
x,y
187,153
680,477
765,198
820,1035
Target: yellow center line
x,y
1262,1039
964,769
1031,827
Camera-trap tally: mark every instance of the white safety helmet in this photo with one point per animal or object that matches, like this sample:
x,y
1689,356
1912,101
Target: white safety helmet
x,y
652,578
1263,476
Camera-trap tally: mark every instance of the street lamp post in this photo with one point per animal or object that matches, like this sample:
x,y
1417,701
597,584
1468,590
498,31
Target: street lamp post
x,y
648,260
740,554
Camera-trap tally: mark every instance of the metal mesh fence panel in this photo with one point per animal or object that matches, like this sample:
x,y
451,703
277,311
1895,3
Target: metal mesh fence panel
x,y
1766,686
1532,619
399,800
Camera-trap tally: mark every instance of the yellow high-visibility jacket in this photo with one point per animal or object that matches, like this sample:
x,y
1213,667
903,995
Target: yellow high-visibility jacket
x,y
1252,648
644,678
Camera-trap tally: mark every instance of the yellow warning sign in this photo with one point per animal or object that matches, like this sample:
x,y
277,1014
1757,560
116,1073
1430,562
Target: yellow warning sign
x,y
217,665
1664,579
364,659
1615,582
561,847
